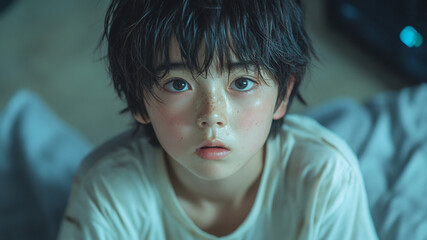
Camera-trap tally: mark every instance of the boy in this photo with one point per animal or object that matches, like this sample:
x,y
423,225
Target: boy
x,y
210,82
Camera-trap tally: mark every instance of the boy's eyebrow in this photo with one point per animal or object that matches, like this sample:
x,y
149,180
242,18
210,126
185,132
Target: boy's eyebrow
x,y
180,65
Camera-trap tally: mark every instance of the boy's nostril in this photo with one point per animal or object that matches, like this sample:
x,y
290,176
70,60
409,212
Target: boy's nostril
x,y
211,120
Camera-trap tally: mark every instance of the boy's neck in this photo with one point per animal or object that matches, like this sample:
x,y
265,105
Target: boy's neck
x,y
231,190
218,207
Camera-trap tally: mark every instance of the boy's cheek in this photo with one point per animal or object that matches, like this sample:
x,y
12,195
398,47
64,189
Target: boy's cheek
x,y
254,116
170,115
171,124
248,119
249,131
252,123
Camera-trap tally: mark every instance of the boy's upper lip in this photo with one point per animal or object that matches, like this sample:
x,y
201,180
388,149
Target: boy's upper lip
x,y
213,143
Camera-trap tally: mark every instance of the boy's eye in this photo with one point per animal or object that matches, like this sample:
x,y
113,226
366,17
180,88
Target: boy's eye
x,y
243,84
177,85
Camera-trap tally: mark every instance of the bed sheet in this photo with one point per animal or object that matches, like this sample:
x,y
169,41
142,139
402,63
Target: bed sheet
x,y
389,135
39,154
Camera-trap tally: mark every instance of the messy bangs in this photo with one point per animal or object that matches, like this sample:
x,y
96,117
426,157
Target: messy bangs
x,y
267,34
216,28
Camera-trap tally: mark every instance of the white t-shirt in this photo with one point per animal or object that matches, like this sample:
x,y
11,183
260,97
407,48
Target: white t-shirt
x,y
311,188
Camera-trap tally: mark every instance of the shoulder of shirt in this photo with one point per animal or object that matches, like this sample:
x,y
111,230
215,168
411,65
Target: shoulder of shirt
x,y
317,147
125,149
116,178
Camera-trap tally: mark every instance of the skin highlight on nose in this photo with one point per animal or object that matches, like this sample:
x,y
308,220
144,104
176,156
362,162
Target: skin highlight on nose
x,y
212,111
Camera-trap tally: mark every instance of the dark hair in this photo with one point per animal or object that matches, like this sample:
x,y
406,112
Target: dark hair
x,y
267,33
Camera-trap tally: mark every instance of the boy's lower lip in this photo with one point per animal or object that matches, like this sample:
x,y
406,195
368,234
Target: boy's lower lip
x,y
212,153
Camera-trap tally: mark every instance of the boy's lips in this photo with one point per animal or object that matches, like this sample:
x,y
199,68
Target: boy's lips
x,y
212,150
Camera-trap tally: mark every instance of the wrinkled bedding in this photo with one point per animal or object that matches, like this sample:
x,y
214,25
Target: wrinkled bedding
x,y
39,154
389,135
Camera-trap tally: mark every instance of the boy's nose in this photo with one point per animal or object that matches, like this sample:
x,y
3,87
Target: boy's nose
x,y
212,112
211,120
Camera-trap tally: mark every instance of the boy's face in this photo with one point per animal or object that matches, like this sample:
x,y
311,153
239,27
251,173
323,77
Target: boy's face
x,y
213,124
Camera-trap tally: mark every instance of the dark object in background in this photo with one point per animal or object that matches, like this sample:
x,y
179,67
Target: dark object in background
x,y
393,30
4,4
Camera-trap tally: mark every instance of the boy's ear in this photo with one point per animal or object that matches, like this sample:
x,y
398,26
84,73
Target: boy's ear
x,y
140,119
281,109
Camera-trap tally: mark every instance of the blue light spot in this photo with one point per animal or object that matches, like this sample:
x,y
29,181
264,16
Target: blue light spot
x,y
349,11
410,37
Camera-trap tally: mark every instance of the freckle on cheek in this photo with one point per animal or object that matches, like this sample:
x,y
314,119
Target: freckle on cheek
x,y
247,120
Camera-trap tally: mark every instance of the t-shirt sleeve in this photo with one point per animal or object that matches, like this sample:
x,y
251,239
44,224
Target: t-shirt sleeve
x,y
84,217
111,199
324,185
342,208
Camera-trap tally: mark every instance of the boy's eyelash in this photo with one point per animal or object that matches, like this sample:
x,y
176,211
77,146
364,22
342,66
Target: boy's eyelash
x,y
165,82
249,78
253,84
